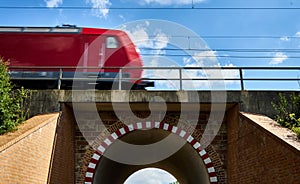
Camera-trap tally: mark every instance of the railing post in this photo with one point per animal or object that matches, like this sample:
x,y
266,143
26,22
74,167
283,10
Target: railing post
x,y
59,78
242,79
120,78
180,78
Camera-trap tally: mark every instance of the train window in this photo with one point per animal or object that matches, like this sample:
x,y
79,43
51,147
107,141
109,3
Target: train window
x,y
10,29
65,30
34,29
111,42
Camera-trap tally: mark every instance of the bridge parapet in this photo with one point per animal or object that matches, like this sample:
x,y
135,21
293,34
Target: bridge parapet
x,y
45,101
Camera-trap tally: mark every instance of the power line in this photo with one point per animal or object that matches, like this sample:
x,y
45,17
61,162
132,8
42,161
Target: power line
x,y
226,50
229,37
248,37
151,8
221,56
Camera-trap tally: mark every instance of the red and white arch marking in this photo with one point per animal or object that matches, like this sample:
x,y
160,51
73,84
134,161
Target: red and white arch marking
x,y
149,125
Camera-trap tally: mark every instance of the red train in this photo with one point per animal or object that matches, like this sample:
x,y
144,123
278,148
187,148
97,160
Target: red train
x,y
89,57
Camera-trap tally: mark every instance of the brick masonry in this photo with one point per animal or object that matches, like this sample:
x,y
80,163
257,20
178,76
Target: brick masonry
x,y
256,155
26,158
91,129
62,166
242,151
151,125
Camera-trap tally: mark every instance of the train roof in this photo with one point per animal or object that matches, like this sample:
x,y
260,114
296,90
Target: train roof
x,y
69,29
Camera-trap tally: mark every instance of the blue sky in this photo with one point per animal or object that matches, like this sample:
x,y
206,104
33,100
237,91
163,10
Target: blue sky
x,y
271,31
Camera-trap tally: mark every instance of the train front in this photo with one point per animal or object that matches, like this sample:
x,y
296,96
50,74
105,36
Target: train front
x,y
122,52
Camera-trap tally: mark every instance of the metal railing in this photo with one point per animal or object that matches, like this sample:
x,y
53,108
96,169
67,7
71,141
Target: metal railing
x,y
179,74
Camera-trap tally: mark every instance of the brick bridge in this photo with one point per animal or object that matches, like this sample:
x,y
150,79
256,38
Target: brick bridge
x,y
105,136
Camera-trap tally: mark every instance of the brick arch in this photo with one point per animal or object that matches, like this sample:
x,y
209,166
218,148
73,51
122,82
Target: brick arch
x,y
95,157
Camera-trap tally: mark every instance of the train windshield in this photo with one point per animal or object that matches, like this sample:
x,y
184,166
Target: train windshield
x,y
111,42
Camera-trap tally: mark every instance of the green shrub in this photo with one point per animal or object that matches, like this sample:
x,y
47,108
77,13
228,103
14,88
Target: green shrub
x,y
297,131
288,112
12,101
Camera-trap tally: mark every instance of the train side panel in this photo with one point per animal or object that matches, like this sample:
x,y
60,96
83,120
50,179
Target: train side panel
x,y
41,49
87,53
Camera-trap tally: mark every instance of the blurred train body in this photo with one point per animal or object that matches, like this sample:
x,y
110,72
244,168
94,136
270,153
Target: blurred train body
x,y
40,55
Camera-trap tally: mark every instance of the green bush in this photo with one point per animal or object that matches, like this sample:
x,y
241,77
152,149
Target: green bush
x,y
297,131
288,112
12,101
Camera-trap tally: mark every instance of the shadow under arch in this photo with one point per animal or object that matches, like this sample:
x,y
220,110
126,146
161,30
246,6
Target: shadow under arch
x,y
190,164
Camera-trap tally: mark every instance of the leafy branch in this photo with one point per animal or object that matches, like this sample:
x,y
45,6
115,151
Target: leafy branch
x,y
288,112
12,101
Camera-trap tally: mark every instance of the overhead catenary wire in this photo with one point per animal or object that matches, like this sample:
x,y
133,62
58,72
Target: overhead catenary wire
x,y
150,8
194,7
220,56
262,50
229,36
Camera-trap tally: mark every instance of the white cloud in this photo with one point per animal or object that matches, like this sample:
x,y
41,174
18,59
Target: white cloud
x,y
209,59
122,17
161,40
187,60
206,58
297,40
61,18
230,73
285,38
140,37
171,2
199,59
101,7
147,23
278,58
144,36
150,176
53,3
